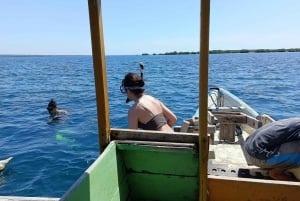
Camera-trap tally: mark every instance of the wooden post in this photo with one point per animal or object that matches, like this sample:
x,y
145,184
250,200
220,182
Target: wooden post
x,y
203,91
99,72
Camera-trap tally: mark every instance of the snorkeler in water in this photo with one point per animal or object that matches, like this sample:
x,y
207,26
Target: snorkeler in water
x,y
54,112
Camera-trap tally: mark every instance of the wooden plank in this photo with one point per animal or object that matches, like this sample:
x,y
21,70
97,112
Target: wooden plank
x,y
211,129
231,118
211,118
143,135
185,126
227,132
254,123
237,118
222,188
157,144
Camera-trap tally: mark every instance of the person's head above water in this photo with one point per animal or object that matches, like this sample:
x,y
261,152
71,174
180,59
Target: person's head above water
x,y
51,106
54,112
133,83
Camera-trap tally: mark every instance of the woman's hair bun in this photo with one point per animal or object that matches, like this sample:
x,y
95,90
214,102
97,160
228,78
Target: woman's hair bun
x,y
133,80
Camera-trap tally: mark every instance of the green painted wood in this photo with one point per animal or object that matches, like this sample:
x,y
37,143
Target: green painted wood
x,y
156,187
104,180
170,161
126,172
160,173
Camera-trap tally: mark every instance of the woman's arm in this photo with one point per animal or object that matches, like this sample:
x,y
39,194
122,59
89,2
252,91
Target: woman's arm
x,y
171,117
132,119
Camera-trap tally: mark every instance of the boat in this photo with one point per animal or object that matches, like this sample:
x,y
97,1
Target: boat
x,y
230,122
202,160
223,102
144,165
191,164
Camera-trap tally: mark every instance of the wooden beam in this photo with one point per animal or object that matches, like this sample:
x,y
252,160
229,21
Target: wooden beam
x,y
254,123
99,72
224,118
236,118
157,144
156,136
203,97
211,118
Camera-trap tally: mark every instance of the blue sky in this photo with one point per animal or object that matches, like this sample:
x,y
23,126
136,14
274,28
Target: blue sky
x,y
139,26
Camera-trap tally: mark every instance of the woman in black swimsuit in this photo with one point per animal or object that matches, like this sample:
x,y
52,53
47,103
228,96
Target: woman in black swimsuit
x,y
147,112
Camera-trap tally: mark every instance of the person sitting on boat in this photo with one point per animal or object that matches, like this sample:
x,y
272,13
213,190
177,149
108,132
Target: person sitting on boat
x,y
276,146
147,112
55,113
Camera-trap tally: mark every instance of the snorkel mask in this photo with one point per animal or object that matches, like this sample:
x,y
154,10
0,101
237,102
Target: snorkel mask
x,y
124,89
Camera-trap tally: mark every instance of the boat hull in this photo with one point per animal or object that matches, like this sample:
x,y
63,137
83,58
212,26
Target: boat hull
x,y
127,171
162,170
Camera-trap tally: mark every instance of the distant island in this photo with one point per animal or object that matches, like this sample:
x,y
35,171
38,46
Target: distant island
x,y
231,51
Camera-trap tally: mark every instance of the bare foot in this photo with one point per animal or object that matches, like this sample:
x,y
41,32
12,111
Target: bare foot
x,y
280,174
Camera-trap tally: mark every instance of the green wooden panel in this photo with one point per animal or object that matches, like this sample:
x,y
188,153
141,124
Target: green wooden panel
x,y
104,180
160,173
126,172
81,191
153,159
150,187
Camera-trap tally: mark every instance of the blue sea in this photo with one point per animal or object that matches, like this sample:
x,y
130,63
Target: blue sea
x,y
49,157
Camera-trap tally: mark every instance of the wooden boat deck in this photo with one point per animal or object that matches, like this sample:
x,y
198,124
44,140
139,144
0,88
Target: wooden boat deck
x,y
226,153
228,159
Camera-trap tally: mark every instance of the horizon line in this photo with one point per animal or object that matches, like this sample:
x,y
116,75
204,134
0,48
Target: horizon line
x,y
175,51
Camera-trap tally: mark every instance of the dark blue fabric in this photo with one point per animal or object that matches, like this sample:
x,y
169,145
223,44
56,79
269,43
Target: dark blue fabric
x,y
265,141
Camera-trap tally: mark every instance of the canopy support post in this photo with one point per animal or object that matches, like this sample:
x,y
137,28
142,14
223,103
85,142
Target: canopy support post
x,y
203,91
99,72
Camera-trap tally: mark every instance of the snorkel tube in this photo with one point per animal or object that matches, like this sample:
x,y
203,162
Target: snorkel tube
x,y
142,69
142,76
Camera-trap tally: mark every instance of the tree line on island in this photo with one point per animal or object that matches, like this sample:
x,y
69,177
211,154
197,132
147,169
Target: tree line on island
x,y
231,51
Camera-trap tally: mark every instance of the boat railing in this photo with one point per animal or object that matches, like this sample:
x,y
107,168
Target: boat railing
x,y
265,118
227,109
153,136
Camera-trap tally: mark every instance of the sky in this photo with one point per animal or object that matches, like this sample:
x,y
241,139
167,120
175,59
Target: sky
x,y
54,27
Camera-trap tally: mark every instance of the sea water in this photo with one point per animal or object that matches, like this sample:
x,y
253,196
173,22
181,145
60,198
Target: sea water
x,y
49,157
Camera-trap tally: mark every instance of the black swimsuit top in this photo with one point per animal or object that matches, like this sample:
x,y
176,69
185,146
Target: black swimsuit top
x,y
154,124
